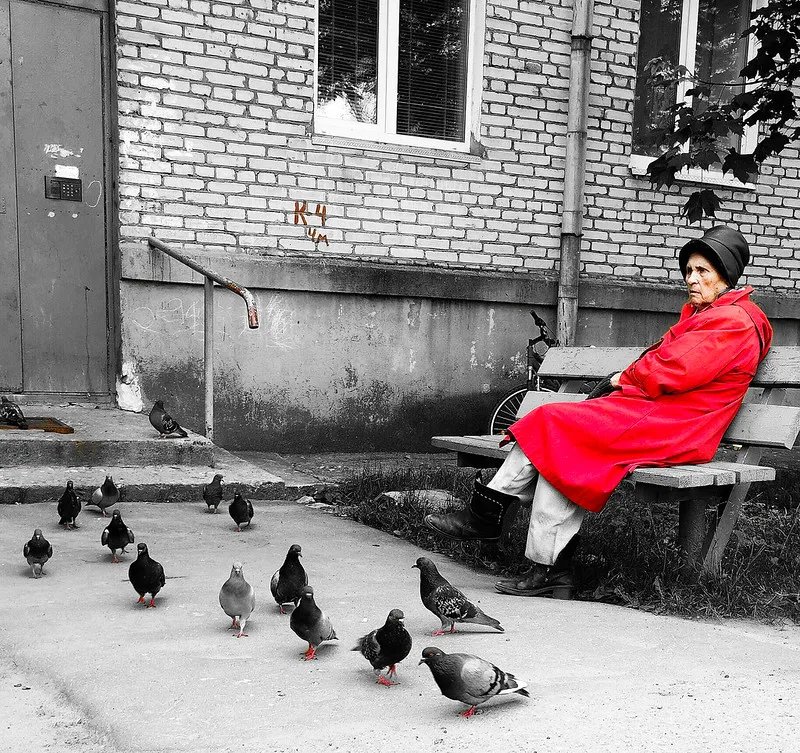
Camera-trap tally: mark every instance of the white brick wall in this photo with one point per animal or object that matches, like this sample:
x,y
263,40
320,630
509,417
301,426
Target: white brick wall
x,y
217,144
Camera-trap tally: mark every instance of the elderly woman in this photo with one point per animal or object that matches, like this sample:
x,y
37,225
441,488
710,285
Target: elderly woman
x,y
670,406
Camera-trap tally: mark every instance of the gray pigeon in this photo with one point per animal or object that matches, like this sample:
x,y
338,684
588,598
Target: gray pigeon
x,y
241,510
386,646
163,423
106,495
37,551
68,507
447,602
116,535
146,575
237,599
310,623
469,679
11,413
287,583
212,493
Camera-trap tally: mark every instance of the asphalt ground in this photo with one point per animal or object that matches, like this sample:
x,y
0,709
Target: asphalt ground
x,y
85,668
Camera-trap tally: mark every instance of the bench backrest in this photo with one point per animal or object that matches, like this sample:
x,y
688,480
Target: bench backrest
x,y
762,421
781,367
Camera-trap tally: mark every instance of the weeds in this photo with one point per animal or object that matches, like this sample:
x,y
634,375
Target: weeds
x,y
628,553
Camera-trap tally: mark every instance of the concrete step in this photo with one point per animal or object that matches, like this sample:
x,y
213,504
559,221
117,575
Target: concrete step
x,y
102,436
146,483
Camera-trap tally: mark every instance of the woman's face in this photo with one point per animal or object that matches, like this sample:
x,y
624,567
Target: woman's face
x,y
703,281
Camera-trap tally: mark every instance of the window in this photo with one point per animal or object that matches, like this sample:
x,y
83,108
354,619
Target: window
x,y
395,70
704,36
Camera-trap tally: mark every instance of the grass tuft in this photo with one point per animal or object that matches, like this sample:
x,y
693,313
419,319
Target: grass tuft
x,y
628,553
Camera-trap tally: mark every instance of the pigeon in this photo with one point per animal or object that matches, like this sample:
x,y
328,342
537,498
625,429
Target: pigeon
x,y
310,623
241,511
212,493
146,575
447,602
37,551
386,646
11,413
106,495
237,599
163,423
68,507
469,679
288,581
116,535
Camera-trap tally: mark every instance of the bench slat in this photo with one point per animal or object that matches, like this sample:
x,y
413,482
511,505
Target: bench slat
x,y
746,473
684,476
488,446
781,367
586,362
764,425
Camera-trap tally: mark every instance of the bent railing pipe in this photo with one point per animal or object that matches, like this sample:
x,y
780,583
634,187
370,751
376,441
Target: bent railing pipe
x,y
208,319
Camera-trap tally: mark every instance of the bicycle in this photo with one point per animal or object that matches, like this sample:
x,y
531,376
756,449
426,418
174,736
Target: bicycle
x,y
505,412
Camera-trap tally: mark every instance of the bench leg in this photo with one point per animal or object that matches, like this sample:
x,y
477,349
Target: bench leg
x,y
692,532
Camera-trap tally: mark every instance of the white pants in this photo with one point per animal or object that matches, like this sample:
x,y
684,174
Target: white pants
x,y
554,518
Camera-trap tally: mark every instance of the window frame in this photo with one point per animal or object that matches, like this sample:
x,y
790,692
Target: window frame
x,y
389,39
686,57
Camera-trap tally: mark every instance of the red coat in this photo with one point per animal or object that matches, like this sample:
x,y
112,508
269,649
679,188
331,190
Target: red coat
x,y
675,403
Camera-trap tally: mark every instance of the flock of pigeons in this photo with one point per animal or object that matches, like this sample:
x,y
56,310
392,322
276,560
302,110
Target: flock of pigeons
x,y
461,677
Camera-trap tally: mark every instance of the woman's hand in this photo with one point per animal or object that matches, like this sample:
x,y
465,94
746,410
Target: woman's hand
x,y
614,379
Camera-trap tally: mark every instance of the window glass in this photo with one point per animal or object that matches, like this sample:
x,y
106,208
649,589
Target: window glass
x,y
715,53
348,60
395,70
432,68
659,46
720,50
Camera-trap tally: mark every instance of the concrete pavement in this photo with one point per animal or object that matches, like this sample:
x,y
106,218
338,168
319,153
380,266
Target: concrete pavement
x,y
107,674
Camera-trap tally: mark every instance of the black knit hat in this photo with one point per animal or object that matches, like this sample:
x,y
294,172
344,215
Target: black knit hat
x,y
724,247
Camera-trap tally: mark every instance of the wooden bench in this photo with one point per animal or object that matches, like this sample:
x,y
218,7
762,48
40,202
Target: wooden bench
x,y
763,421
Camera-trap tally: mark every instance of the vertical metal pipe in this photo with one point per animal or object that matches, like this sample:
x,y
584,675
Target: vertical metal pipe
x,y
574,171
208,353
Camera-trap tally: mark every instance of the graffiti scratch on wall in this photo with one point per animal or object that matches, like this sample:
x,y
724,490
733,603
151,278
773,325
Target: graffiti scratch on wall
x,y
302,217
179,318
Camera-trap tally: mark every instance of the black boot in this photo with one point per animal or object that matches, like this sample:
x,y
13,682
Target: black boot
x,y
481,520
556,581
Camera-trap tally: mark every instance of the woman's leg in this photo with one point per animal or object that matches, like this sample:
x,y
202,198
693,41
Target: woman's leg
x,y
482,519
552,539
555,520
516,476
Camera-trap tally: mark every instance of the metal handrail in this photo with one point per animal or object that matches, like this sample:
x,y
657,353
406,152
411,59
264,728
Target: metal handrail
x,y
210,277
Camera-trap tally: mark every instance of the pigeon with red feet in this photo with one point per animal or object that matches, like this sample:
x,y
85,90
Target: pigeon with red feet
x,y
448,603
287,582
241,510
106,495
237,599
37,551
310,623
163,423
212,493
469,679
146,575
116,535
386,646
68,507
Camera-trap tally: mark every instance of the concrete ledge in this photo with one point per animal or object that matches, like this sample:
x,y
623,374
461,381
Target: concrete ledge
x,y
103,436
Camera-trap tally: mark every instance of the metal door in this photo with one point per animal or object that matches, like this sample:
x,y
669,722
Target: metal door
x,y
54,312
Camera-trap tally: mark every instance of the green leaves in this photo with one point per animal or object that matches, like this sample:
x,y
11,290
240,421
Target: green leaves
x,y
701,204
697,133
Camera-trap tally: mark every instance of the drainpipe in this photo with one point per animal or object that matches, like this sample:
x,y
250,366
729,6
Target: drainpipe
x,y
574,171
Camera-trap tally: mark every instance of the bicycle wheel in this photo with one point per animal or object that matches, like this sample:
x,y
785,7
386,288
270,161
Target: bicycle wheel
x,y
505,412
